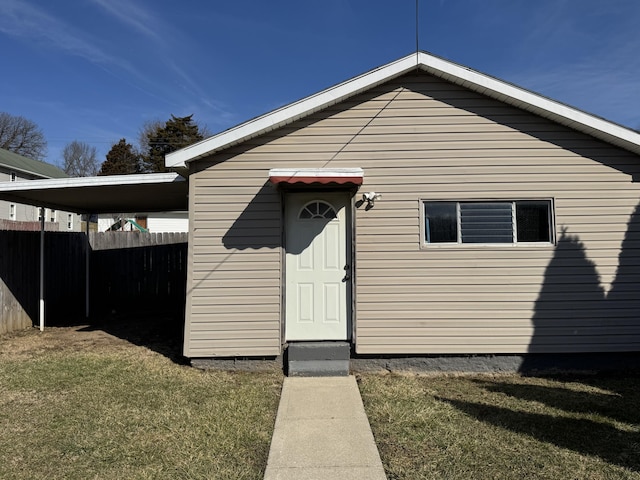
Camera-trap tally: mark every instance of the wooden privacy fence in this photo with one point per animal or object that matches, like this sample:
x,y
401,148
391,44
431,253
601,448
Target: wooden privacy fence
x,y
128,272
138,271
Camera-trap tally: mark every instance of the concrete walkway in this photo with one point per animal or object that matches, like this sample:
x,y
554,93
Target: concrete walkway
x,y
322,433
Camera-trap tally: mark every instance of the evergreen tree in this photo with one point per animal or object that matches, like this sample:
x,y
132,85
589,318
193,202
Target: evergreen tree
x,y
122,159
176,133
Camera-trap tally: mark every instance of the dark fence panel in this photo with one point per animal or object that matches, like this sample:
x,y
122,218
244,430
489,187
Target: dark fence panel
x,y
65,275
138,272
128,272
18,269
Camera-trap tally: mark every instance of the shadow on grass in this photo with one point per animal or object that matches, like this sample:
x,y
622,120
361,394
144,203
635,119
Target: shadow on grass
x,y
617,401
598,435
161,332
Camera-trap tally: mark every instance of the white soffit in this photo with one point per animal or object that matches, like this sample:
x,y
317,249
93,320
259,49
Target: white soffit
x,y
452,72
103,194
106,180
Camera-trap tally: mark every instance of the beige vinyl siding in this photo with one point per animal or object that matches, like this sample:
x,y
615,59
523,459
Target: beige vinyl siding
x,y
421,138
233,301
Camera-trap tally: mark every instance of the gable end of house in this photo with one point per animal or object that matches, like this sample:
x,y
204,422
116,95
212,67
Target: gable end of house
x,y
454,73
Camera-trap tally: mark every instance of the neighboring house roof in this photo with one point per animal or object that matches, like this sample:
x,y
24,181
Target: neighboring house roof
x,y
452,72
18,163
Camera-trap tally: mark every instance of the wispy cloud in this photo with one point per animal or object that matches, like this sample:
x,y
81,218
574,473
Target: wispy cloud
x,y
588,61
34,25
141,20
610,94
606,85
145,22
191,87
164,74
19,19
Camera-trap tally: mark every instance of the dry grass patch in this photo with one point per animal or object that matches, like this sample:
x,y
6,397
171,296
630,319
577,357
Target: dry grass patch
x,y
505,427
103,408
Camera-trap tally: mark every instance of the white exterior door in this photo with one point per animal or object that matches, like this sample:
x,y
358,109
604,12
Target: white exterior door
x,y
317,274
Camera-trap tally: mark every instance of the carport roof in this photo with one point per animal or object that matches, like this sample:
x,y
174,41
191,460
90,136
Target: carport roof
x,y
152,192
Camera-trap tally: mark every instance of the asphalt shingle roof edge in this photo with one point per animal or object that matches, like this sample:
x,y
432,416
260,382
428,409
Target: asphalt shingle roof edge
x,y
13,161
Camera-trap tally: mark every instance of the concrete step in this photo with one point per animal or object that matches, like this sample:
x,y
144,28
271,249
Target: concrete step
x,y
318,359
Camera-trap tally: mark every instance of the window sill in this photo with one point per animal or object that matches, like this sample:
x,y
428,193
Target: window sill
x,y
476,246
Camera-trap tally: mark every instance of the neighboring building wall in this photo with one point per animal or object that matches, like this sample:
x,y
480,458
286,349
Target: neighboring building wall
x,y
168,222
29,213
105,221
421,138
157,222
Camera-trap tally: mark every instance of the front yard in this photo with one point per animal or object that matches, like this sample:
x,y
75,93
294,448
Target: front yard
x,y
79,403
505,426
82,405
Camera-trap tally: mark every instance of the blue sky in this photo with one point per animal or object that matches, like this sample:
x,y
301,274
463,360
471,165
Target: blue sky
x,y
96,70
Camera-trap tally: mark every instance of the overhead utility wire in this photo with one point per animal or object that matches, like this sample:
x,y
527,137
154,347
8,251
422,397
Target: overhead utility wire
x,y
417,36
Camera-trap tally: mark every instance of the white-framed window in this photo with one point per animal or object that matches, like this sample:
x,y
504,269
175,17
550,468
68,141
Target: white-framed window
x,y
40,213
489,222
69,221
12,211
12,177
53,216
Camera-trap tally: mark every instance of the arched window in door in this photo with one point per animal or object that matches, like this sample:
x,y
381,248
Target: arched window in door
x,y
317,209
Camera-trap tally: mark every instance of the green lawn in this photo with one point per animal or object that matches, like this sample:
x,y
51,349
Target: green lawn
x,y
87,405
129,413
505,427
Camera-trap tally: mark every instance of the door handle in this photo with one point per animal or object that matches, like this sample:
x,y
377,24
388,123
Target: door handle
x,y
347,275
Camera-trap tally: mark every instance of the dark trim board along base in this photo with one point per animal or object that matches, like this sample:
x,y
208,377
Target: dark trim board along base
x,y
244,364
530,364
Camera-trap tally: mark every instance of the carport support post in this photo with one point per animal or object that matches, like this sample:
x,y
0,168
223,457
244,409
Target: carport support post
x,y
86,271
41,269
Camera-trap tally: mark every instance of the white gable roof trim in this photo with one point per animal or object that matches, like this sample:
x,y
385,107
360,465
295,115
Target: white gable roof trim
x,y
452,72
290,113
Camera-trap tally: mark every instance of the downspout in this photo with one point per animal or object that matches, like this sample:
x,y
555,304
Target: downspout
x,y
41,309
86,270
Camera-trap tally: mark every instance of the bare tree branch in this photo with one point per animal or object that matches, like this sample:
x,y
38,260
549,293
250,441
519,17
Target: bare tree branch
x,y
22,136
80,159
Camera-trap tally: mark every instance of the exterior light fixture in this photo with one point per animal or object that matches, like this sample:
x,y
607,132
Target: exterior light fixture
x,y
371,198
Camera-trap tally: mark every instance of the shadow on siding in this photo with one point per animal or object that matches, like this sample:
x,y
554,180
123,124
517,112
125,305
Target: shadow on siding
x,y
626,285
574,313
571,300
259,224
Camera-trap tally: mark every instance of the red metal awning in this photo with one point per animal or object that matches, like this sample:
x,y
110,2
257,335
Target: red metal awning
x,y
323,176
